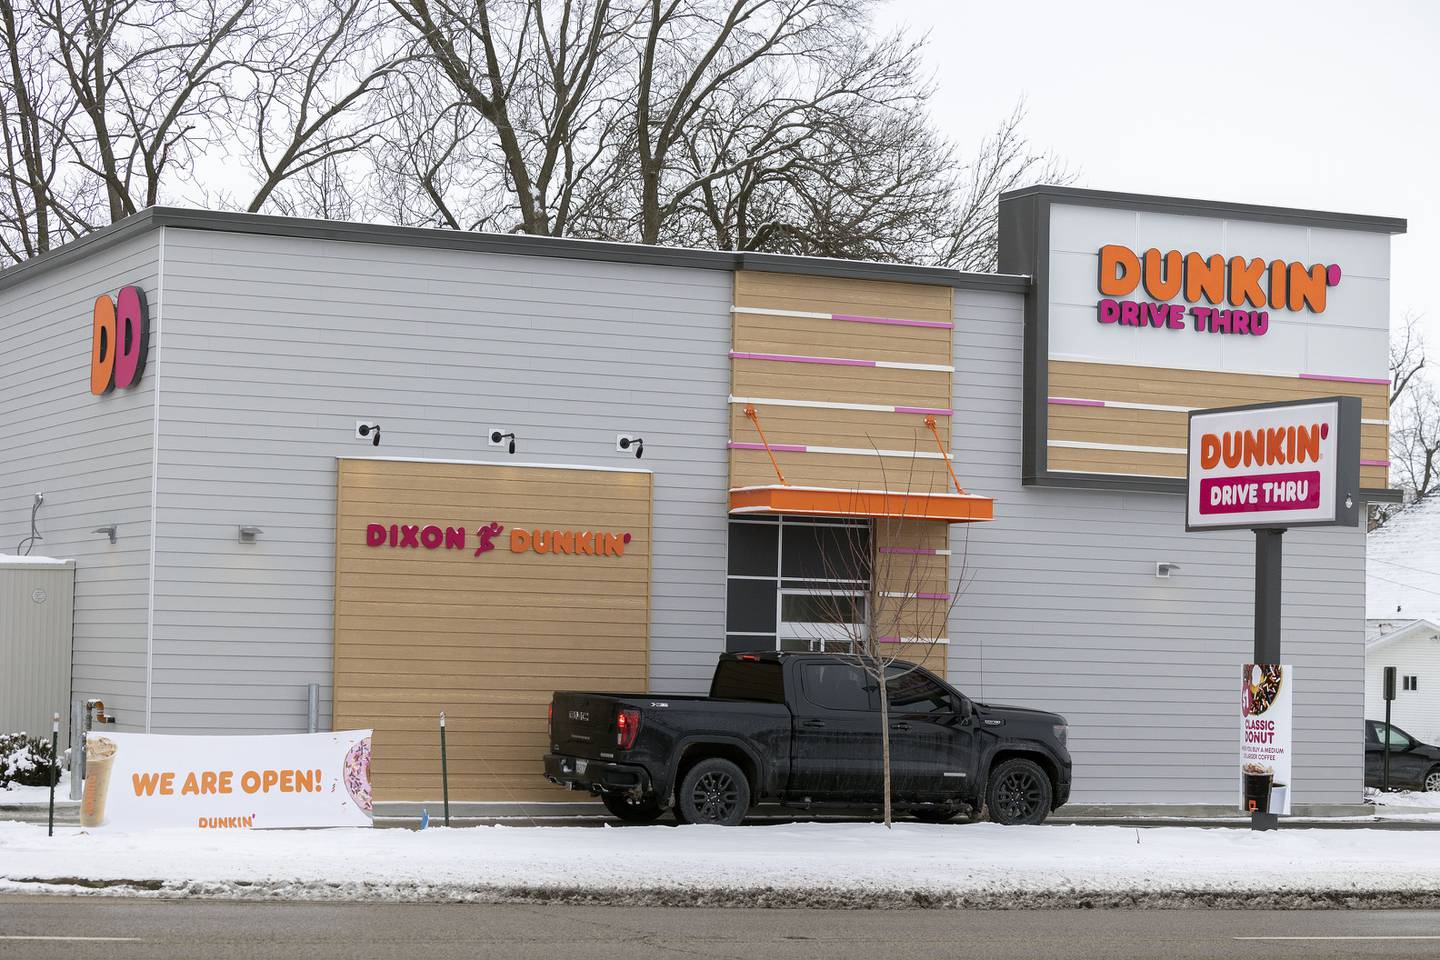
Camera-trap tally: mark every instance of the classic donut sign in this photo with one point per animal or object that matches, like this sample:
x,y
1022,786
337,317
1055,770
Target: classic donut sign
x,y
1274,465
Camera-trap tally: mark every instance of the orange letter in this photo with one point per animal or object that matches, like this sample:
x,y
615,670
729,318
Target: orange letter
x,y
102,346
1164,286
1277,284
519,540
1231,454
1307,444
1119,270
1307,288
564,541
1204,279
1209,451
1245,281
1254,448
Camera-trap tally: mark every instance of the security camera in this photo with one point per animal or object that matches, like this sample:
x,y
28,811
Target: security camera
x,y
499,436
623,443
364,430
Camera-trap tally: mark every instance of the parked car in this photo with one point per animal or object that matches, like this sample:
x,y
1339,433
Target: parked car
x,y
803,729
1413,765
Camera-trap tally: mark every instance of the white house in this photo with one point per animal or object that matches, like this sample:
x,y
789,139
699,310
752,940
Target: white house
x,y
1402,601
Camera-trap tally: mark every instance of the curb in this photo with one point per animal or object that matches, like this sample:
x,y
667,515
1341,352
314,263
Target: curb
x,y
754,898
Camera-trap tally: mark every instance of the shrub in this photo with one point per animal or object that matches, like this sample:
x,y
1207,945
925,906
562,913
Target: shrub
x,y
24,760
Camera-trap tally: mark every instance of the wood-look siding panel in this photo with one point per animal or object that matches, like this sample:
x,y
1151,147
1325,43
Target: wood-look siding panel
x,y
837,428
751,468
816,381
811,336
486,638
876,298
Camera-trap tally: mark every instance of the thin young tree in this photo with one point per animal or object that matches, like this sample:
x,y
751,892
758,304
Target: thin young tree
x,y
906,595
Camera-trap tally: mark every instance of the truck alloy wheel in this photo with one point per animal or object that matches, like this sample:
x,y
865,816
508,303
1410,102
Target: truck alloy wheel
x,y
627,808
1019,792
714,791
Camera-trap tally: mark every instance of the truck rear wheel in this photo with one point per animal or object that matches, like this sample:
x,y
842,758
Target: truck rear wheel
x,y
622,805
713,791
1018,792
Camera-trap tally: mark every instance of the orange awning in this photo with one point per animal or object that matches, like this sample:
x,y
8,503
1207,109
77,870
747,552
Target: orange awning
x,y
828,502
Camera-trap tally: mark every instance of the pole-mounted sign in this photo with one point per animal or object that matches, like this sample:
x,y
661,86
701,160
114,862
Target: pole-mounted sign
x,y
1268,467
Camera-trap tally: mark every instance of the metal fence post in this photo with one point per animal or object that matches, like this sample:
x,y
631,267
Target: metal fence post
x,y
312,716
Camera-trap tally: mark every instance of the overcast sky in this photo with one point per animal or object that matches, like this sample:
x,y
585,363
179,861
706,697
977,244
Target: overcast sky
x,y
1317,104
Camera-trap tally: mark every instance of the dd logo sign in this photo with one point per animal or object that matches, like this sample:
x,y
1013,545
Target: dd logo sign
x,y
120,341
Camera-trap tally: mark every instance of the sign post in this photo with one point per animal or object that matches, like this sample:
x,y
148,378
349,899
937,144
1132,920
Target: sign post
x,y
1389,698
1269,467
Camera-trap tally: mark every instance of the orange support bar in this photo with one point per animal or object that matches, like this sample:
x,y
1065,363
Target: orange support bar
x,y
930,422
755,419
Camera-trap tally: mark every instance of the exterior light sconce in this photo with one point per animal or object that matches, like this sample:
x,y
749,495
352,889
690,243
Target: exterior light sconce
x,y
248,534
1164,568
624,443
109,530
365,430
499,436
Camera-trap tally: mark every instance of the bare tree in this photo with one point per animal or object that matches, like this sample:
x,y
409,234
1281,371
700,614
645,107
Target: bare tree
x,y
318,77
1407,355
1415,440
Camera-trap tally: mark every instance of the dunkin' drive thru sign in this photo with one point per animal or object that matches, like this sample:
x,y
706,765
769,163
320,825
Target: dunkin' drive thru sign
x,y
1274,465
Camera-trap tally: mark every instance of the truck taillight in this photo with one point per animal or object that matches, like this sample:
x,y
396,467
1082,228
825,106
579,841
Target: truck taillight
x,y
627,727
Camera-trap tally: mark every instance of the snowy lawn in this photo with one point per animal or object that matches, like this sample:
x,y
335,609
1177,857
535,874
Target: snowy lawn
x,y
1397,798
15,795
976,863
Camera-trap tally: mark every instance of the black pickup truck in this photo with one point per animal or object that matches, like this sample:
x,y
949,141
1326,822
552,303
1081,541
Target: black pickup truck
x,y
803,729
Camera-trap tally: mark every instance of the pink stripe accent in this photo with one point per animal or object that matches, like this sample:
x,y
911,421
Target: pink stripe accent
x,y
1072,402
927,411
783,358
891,321
782,447
1324,376
932,596
912,551
1374,463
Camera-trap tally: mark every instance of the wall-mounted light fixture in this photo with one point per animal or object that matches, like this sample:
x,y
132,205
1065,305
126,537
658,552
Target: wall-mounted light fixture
x,y
499,436
109,530
625,442
365,430
1164,568
248,534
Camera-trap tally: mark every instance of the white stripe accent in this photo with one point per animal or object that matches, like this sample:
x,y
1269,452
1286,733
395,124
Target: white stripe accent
x,y
872,452
815,404
945,640
1378,423
771,312
1166,407
888,493
897,365
1127,447
907,596
1111,473
1288,374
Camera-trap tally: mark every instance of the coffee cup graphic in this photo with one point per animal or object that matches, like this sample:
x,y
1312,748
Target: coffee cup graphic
x,y
99,760
1256,781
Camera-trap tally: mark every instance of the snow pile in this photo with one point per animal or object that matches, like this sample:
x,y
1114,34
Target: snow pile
x,y
16,795
1403,798
14,560
24,760
816,863
1402,565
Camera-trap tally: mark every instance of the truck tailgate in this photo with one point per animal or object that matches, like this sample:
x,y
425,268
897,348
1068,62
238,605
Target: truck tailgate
x,y
583,724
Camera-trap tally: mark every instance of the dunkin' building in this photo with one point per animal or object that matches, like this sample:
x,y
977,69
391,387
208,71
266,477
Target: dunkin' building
x,y
600,465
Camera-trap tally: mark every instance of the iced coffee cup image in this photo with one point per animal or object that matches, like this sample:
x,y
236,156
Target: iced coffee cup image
x,y
99,760
1256,780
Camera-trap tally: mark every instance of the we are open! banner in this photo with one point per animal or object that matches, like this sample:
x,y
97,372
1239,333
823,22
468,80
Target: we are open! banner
x,y
138,781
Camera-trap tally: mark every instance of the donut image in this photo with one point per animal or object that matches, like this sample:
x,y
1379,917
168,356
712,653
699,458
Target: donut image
x,y
357,774
1260,687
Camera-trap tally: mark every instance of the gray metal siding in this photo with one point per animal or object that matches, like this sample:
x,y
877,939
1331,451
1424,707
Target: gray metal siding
x,y
277,345
91,456
1063,611
36,614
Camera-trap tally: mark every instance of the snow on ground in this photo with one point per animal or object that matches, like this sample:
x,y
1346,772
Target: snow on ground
x,y
857,863
14,794
1396,798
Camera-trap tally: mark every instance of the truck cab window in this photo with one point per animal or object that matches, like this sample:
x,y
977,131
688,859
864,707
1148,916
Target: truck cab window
x,y
915,692
836,686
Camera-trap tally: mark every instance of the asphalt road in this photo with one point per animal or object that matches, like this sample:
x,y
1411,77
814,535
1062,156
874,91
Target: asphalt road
x,y
37,928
